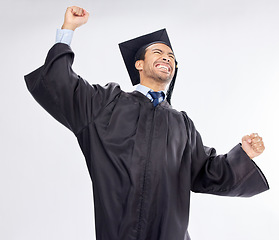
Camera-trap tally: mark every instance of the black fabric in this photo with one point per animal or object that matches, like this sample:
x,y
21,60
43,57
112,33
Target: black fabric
x,y
143,160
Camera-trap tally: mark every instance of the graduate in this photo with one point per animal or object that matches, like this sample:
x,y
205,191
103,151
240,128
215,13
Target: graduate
x,y
143,156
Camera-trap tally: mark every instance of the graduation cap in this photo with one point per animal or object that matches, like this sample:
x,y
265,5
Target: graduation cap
x,y
131,51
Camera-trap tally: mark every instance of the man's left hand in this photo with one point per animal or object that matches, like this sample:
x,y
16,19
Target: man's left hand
x,y
253,145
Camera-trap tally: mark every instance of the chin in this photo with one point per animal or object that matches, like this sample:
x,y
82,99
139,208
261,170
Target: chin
x,y
164,79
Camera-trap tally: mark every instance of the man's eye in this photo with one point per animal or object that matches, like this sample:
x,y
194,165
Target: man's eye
x,y
157,52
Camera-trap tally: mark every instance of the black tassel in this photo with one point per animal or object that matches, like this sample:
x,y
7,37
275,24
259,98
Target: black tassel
x,y
171,86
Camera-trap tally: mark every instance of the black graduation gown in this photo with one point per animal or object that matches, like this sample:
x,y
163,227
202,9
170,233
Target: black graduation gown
x,y
143,160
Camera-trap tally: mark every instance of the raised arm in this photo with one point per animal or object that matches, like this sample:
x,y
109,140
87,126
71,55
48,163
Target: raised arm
x,y
59,90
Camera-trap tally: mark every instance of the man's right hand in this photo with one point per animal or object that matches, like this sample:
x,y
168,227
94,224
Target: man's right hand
x,y
74,18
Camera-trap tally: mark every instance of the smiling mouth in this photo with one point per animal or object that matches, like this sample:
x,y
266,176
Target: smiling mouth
x,y
163,67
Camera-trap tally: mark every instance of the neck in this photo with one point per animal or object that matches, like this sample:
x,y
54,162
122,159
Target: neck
x,y
154,85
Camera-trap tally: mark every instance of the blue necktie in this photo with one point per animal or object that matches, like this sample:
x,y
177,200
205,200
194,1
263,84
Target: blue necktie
x,y
156,96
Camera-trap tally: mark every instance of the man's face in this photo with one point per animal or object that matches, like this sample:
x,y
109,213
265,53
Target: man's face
x,y
158,64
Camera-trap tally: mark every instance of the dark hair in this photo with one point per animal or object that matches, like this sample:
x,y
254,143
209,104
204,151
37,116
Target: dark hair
x,y
142,55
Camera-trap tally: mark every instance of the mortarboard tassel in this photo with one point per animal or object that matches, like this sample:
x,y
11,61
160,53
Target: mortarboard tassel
x,y
171,86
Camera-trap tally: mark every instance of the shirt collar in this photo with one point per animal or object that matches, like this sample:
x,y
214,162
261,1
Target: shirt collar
x,y
144,90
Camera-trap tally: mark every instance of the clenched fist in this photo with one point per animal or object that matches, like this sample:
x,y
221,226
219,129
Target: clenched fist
x,y
75,17
253,145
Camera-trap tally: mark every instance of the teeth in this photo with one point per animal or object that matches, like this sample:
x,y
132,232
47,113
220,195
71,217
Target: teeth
x,y
163,67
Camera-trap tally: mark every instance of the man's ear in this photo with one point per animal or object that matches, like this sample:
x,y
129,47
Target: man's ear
x,y
139,65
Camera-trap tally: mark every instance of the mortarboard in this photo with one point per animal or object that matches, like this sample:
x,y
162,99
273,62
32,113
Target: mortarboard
x,y
133,48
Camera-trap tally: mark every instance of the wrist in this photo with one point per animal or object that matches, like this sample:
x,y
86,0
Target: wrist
x,y
68,26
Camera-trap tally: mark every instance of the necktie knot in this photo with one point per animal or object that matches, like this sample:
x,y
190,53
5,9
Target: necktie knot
x,y
156,97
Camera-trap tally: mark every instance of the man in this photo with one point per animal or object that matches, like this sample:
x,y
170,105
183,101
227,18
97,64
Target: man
x,y
143,156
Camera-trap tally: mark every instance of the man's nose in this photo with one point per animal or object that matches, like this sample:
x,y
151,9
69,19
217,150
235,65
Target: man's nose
x,y
166,59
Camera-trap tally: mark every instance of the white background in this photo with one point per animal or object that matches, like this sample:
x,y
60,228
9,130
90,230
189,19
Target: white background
x,y
228,57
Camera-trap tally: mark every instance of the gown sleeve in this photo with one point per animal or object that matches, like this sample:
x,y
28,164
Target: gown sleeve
x,y
231,174
65,95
